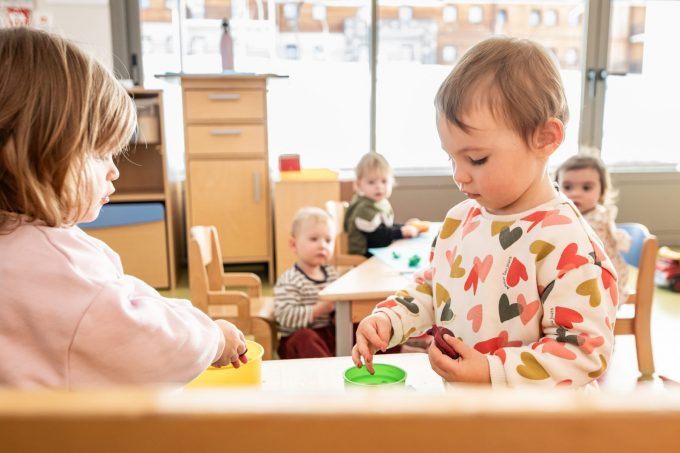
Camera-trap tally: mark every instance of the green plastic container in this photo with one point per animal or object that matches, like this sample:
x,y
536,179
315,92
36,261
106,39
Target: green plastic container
x,y
385,375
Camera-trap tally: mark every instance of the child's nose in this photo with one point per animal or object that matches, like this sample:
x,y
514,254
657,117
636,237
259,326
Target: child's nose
x,y
460,176
114,173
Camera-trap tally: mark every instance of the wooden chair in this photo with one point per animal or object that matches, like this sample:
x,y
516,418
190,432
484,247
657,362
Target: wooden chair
x,y
210,292
342,260
637,322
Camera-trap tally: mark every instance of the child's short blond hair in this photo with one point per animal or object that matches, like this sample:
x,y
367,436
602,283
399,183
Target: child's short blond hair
x,y
59,107
373,162
515,78
317,215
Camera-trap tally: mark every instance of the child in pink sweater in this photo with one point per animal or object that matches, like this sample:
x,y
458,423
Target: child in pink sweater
x,y
69,316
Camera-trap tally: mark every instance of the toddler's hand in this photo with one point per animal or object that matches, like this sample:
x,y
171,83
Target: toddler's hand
x,y
471,367
372,334
234,345
322,308
409,231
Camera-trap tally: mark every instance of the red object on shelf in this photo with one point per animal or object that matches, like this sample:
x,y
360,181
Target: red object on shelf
x,y
289,162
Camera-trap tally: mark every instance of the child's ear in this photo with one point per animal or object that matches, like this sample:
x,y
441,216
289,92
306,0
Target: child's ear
x,y
291,242
548,137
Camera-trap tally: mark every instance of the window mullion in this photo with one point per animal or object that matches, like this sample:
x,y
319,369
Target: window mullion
x,y
593,73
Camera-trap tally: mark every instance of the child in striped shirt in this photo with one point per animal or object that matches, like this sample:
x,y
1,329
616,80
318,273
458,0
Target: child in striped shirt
x,y
305,322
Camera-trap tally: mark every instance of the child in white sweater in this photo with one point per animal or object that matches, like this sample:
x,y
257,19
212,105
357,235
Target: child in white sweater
x,y
516,273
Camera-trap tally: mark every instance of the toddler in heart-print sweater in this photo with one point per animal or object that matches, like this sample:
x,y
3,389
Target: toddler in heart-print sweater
x,y
516,273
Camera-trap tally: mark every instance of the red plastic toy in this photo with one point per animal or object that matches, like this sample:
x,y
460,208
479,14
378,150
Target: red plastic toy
x,y
668,269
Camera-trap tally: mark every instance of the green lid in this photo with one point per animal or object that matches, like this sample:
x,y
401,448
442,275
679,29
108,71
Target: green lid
x,y
384,375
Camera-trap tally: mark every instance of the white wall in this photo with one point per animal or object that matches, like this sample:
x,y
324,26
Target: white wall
x,y
86,22
648,198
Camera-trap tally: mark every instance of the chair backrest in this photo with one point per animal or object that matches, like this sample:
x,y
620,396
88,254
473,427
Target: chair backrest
x,y
205,264
342,260
336,209
638,233
642,254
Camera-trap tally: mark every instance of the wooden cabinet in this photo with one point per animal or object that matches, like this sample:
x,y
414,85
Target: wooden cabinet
x,y
289,196
225,133
138,222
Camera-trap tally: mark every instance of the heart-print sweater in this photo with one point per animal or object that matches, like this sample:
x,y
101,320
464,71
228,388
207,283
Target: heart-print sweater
x,y
534,291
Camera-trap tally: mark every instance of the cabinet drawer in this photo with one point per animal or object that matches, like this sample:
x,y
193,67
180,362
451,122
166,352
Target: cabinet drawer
x,y
215,105
243,139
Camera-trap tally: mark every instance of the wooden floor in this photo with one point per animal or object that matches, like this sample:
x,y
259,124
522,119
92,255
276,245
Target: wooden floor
x,y
622,373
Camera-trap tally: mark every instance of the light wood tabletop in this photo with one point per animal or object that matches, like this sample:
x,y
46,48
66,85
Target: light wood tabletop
x,y
326,375
356,293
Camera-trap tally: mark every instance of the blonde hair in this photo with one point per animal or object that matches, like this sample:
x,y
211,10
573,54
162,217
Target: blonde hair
x,y
607,193
515,78
59,107
373,162
317,215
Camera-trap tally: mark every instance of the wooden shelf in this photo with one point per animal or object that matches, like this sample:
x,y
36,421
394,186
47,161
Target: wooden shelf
x,y
138,196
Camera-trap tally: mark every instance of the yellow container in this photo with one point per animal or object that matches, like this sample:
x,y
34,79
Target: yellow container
x,y
248,374
310,174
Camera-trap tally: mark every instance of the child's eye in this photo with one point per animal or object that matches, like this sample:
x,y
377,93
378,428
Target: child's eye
x,y
566,186
587,188
478,161
103,157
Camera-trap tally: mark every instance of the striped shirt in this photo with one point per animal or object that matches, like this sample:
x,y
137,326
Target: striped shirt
x,y
295,294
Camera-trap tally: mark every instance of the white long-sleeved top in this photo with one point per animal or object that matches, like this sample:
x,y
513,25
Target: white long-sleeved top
x,y
70,318
534,291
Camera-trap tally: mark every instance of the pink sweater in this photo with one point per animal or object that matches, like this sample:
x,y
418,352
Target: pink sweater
x,y
70,318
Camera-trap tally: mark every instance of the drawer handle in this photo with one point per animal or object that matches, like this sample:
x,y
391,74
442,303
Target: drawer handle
x,y
256,186
225,132
224,97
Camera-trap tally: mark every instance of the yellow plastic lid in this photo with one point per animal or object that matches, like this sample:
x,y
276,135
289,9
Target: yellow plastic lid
x,y
310,174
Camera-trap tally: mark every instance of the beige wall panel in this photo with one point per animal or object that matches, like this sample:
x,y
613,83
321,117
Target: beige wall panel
x,y
649,198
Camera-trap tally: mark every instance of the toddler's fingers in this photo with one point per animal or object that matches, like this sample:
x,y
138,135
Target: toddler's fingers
x,y
439,361
369,363
457,344
356,357
373,338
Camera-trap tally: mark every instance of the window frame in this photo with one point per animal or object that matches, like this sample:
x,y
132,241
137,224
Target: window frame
x,y
593,62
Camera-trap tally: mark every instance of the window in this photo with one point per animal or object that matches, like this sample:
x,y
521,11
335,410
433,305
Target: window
x,y
571,57
449,14
501,20
323,110
550,18
642,94
449,54
534,18
406,84
475,14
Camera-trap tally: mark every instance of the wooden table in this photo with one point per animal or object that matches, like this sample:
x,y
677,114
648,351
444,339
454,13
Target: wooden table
x,y
356,293
326,375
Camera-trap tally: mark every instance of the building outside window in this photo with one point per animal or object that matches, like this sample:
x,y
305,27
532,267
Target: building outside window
x,y
322,111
